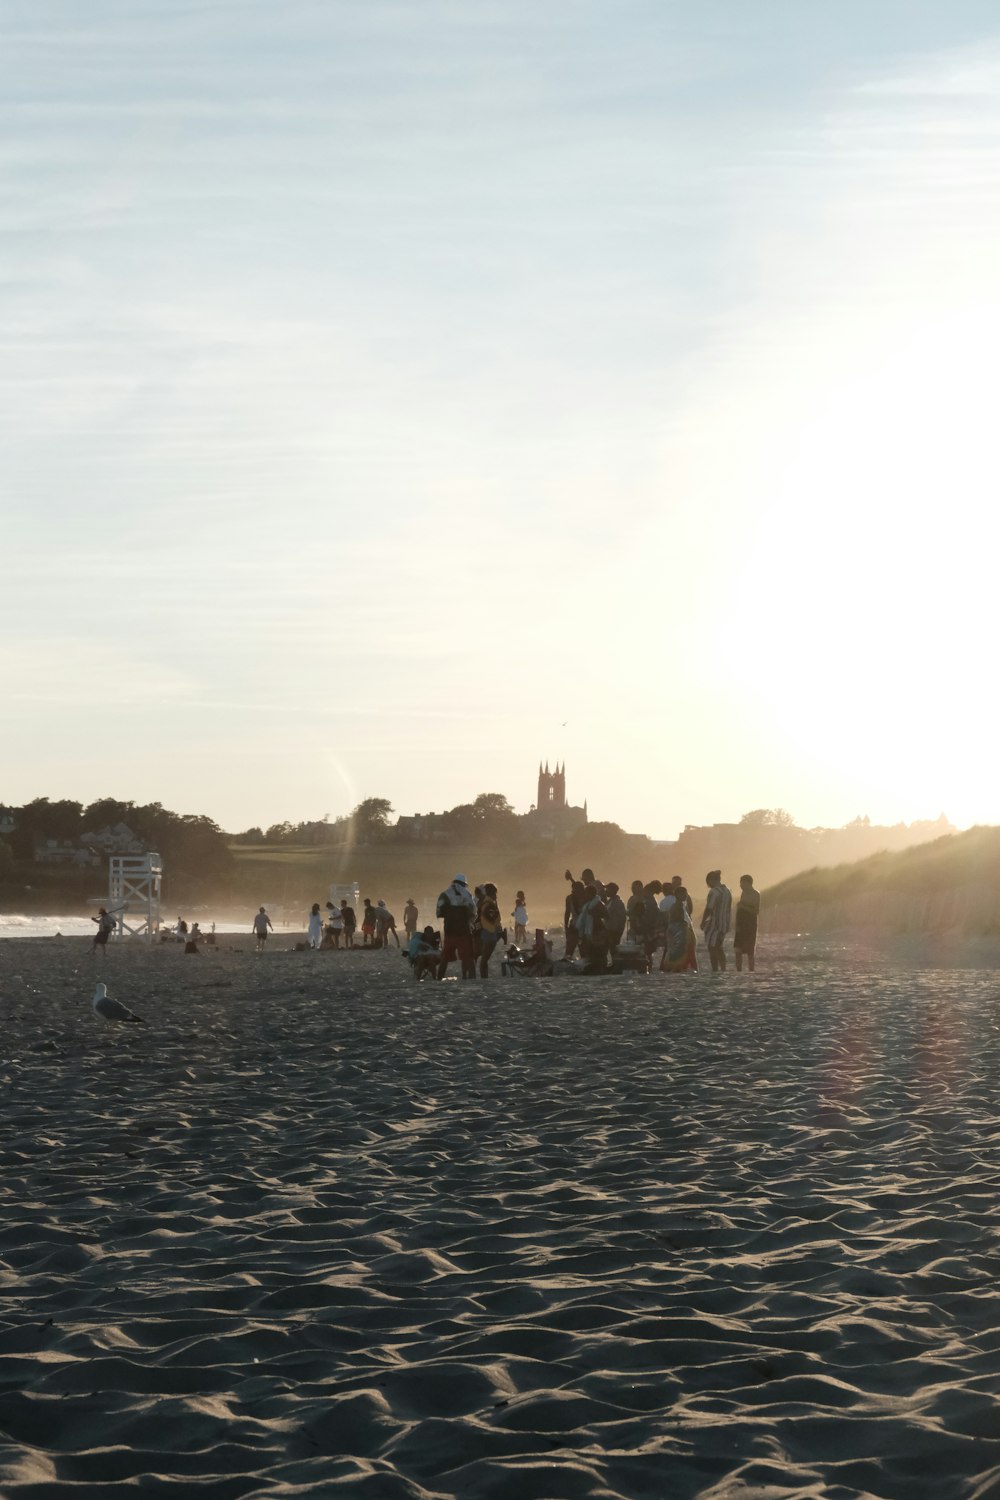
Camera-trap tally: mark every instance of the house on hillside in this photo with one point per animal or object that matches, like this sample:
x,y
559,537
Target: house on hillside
x,y
63,852
422,828
8,822
91,848
114,838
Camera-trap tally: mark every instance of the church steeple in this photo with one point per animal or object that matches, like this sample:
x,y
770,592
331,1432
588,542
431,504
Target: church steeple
x,y
551,787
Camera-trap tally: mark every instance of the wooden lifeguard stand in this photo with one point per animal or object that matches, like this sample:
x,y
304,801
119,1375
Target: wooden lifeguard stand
x,y
134,893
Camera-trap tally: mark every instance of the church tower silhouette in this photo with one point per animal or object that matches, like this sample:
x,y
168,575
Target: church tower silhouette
x,y
551,787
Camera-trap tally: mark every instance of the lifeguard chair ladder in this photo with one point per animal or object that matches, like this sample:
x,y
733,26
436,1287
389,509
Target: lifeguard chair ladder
x,y
134,893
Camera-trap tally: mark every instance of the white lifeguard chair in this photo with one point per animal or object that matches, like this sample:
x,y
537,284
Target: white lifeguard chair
x,y
134,894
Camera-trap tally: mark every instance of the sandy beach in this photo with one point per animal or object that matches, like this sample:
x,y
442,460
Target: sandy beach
x,y
318,1231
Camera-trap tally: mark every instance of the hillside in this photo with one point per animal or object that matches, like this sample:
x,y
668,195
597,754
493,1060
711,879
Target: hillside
x,y
294,876
951,884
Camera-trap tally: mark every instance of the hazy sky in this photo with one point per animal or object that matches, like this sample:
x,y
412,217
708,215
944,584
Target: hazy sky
x,y
396,393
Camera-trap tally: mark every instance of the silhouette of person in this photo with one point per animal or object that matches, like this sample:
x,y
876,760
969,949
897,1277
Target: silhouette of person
x,y
747,912
716,919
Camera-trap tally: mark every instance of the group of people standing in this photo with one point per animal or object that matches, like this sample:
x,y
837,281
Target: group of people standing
x,y
339,924
658,914
472,930
598,924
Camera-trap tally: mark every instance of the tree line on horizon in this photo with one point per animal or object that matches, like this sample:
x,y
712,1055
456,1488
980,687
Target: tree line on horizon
x,y
189,843
490,814
766,841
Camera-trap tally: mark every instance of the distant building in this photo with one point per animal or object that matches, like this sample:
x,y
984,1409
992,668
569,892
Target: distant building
x,y
8,822
114,838
91,848
552,816
422,828
63,852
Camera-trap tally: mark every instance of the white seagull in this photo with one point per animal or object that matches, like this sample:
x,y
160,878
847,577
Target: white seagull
x,y
112,1010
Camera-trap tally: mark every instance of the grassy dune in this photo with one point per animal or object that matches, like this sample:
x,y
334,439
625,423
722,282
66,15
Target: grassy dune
x,y
952,883
300,874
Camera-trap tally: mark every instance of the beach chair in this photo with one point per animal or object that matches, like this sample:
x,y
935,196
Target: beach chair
x,y
529,963
629,958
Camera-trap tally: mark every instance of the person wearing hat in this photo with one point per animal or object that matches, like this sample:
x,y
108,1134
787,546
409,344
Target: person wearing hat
x,y
410,917
456,906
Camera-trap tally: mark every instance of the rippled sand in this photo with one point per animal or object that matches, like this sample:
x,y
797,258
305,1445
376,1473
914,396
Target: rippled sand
x,y
318,1231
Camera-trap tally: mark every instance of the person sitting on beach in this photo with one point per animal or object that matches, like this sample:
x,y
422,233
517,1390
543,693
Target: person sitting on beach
x,y
538,963
534,963
350,923
424,952
456,907
410,917
747,912
261,923
716,919
489,928
368,925
105,927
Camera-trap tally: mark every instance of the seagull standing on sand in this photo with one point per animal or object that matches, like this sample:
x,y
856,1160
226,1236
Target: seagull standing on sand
x,y
112,1010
